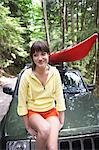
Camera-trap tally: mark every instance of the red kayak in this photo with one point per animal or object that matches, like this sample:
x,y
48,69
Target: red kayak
x,y
74,53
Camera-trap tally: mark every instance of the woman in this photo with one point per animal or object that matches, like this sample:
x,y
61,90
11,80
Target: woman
x,y
40,100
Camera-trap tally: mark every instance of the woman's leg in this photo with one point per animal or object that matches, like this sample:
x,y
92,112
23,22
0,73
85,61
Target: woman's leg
x,y
42,127
52,143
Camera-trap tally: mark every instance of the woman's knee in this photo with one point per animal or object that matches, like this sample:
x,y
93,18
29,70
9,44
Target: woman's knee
x,y
52,146
44,132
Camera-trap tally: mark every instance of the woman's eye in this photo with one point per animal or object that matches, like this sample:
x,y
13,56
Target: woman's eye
x,y
35,55
43,53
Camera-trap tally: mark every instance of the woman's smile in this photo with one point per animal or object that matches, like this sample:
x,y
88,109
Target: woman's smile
x,y
40,58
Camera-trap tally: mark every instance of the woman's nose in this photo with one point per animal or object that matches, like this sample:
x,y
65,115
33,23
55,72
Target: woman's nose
x,y
40,57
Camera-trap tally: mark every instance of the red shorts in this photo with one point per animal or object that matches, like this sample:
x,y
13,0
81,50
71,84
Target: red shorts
x,y
46,114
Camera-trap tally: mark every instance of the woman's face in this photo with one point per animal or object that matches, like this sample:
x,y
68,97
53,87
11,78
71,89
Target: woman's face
x,y
41,59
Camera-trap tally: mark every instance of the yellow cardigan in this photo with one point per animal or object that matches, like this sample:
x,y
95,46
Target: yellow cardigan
x,y
34,96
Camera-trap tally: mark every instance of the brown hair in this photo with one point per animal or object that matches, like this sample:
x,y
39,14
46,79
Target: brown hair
x,y
38,46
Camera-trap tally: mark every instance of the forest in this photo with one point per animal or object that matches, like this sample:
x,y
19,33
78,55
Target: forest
x,y
62,23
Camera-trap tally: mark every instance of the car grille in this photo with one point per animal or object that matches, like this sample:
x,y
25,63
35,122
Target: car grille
x,y
64,143
84,143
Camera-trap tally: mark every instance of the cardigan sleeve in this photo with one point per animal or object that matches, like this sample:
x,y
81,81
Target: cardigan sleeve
x,y
59,97
22,96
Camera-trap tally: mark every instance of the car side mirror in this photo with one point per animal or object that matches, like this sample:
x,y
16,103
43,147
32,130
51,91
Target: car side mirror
x,y
8,90
91,87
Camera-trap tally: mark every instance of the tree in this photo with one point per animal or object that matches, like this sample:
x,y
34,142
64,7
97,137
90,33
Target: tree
x,y
11,41
46,22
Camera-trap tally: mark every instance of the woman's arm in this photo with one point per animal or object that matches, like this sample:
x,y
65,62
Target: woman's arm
x,y
59,97
26,121
61,119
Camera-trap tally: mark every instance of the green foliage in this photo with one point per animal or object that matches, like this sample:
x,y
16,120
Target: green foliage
x,y
87,13
37,27
22,21
11,42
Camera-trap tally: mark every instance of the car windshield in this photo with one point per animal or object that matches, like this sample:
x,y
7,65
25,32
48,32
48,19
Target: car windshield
x,y
73,83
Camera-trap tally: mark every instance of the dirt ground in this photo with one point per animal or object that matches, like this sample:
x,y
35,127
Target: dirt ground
x,y
5,99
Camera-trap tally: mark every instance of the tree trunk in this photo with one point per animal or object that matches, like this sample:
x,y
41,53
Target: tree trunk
x,y
83,14
97,51
66,17
63,25
46,21
62,22
72,20
77,20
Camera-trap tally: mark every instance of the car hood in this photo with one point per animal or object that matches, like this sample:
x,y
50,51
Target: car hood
x,y
81,117
80,132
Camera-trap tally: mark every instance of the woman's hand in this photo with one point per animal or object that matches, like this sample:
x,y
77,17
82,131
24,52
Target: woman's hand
x,y
32,132
61,126
61,119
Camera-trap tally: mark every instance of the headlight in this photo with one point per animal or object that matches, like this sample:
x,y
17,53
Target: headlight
x,y
18,145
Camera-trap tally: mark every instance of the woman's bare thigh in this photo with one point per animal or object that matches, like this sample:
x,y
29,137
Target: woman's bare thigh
x,y
54,129
38,123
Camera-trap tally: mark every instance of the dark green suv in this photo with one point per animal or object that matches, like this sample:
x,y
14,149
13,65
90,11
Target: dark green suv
x,y
81,128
